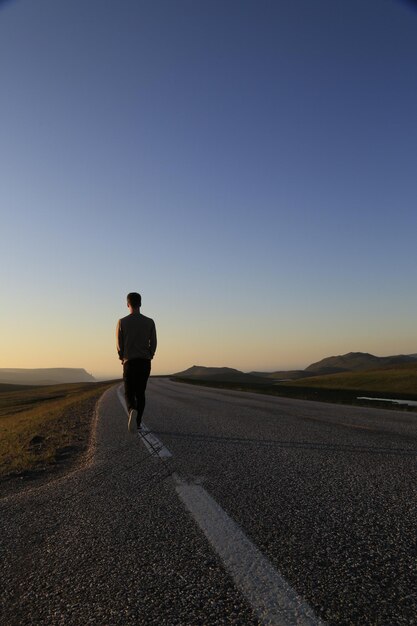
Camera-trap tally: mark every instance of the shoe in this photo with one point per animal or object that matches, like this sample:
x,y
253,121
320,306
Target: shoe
x,y
132,425
142,431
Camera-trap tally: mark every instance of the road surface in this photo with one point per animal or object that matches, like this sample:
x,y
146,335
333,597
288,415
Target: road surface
x,y
252,510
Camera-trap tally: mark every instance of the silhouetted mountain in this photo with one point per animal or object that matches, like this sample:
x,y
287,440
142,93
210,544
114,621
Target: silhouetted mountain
x,y
355,362
197,371
225,374
351,362
45,376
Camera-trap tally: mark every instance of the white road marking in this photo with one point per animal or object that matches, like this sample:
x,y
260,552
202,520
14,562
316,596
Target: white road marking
x,y
272,599
270,596
152,443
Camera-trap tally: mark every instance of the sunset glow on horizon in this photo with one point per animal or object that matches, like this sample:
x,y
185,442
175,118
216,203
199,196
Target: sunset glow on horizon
x,y
248,167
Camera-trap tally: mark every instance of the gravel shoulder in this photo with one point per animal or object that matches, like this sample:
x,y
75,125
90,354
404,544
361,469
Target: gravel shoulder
x,y
78,421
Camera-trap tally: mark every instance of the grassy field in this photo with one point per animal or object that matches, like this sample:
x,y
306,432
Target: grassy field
x,y
37,424
399,380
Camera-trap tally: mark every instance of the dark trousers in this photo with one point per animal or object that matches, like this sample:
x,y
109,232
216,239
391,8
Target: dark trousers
x,y
135,376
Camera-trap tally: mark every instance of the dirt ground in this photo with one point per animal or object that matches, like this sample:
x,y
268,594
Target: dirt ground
x,y
78,420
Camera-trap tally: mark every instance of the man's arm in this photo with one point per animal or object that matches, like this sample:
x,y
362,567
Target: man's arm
x,y
119,340
152,341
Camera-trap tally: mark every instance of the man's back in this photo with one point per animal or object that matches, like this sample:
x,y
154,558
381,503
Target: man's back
x,y
136,337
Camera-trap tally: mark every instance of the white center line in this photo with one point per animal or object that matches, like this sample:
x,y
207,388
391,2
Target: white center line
x,y
272,599
152,443
270,596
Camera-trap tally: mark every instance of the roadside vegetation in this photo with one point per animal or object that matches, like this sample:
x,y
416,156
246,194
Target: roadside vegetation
x,y
401,379
41,425
398,383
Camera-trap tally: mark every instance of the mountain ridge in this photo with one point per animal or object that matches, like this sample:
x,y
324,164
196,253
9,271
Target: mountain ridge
x,y
350,362
357,361
225,374
44,375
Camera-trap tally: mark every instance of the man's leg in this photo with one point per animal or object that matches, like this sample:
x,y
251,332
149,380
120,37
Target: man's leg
x,y
141,379
129,384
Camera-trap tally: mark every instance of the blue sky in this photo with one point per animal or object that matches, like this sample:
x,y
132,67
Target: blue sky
x,y
249,167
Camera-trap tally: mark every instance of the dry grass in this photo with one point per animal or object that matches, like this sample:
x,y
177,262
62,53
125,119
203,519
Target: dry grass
x,y
37,422
396,380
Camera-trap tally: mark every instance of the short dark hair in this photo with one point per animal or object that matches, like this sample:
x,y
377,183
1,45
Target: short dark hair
x,y
134,299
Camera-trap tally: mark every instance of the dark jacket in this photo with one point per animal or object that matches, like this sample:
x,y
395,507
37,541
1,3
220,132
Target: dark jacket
x,y
135,337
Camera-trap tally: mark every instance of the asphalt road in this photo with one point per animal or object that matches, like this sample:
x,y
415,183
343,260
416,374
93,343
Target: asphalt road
x,y
324,494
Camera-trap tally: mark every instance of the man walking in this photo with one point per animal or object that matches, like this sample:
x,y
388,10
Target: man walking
x,y
136,345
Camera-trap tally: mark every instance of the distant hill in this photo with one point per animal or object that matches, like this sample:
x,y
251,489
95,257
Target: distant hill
x,y
356,362
396,379
225,374
351,362
197,371
44,376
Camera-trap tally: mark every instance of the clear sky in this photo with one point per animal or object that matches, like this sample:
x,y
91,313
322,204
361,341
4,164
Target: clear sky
x,y
250,167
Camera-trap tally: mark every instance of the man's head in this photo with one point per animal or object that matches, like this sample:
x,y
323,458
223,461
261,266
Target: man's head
x,y
134,301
